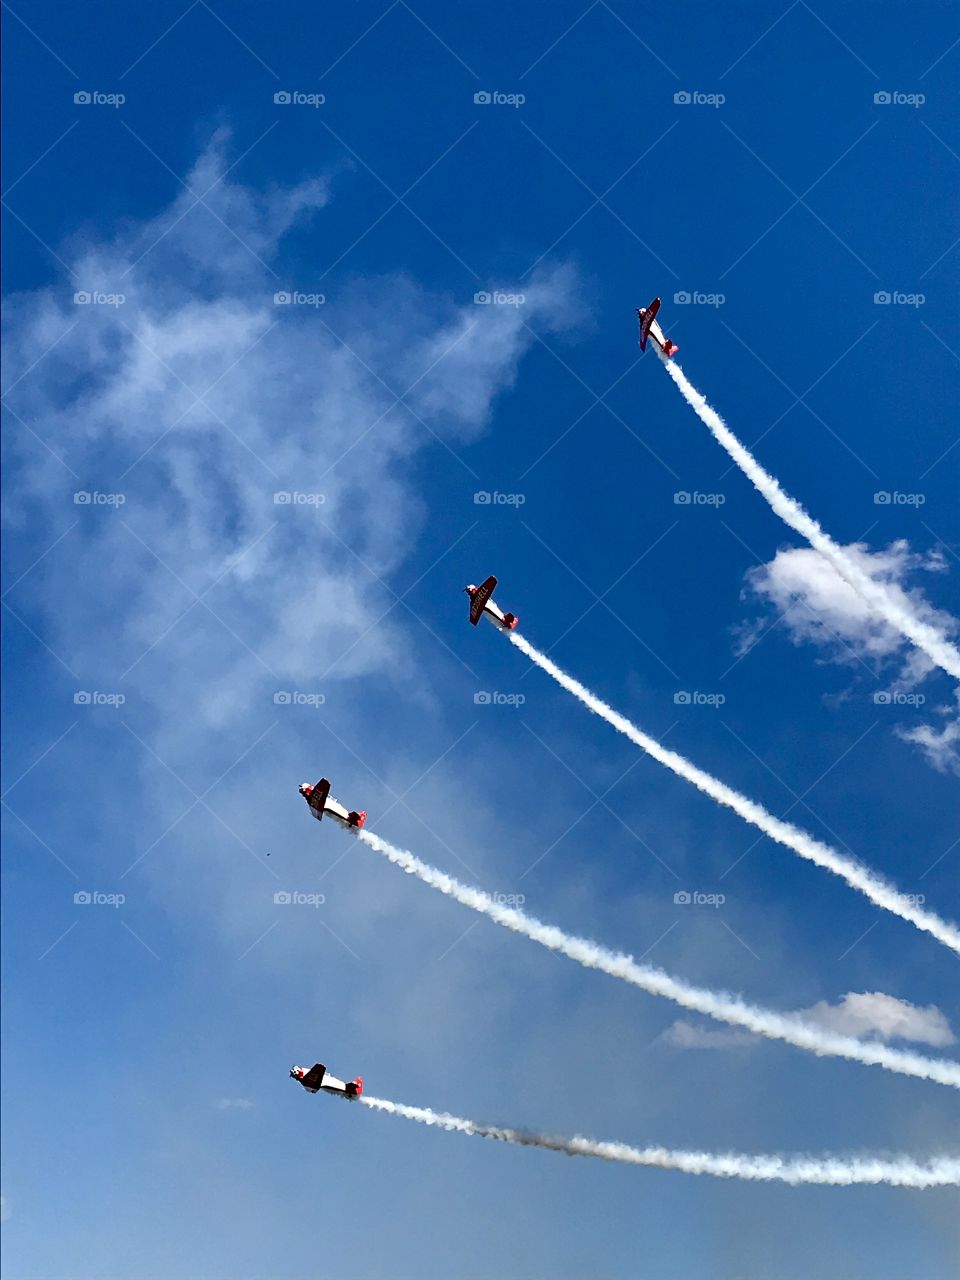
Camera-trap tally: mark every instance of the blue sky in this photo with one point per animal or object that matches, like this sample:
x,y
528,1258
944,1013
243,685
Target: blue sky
x,y
151,1130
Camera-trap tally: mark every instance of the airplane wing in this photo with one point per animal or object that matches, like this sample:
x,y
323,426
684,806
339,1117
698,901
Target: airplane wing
x,y
646,320
480,597
314,1077
318,797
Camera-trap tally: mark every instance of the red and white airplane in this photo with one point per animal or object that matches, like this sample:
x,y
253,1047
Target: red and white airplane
x,y
650,329
320,800
481,605
318,1077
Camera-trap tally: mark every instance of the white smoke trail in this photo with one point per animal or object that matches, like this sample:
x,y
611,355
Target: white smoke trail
x,y
798,1170
937,648
898,1171
859,877
722,1006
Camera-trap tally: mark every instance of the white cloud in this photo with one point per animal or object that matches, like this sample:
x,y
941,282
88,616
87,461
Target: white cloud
x,y
233,1104
818,607
885,1017
863,1014
198,399
815,606
689,1035
940,746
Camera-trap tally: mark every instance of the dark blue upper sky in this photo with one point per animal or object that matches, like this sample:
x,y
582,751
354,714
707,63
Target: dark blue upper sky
x,y
786,177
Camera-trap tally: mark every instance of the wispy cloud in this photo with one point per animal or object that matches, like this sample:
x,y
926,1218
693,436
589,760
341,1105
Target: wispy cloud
x,y
816,606
873,1013
860,1014
689,1035
939,742
245,460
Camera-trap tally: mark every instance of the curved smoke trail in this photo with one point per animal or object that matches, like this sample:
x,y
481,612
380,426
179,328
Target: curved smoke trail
x,y
832,1171
935,645
878,890
721,1005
